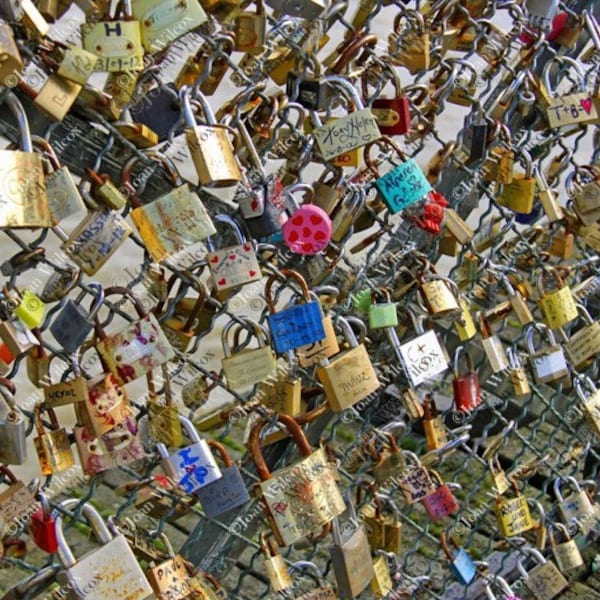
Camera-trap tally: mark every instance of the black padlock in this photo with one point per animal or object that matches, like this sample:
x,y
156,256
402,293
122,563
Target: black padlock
x,y
72,325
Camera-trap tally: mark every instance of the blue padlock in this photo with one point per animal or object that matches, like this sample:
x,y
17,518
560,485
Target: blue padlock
x,y
461,564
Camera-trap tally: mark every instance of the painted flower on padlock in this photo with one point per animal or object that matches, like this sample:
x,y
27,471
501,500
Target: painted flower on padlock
x,y
107,404
234,266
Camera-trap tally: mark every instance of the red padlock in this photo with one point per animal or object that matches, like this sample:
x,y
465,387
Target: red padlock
x,y
42,526
392,114
440,503
467,393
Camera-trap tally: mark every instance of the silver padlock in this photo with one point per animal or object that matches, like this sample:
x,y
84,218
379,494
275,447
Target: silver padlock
x,y
544,581
541,12
493,347
193,466
566,553
13,449
110,571
72,325
577,508
550,363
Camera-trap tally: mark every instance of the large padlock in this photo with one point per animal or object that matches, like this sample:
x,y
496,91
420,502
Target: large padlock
x,y
461,564
404,185
210,147
226,493
137,348
298,325
193,466
566,553
311,477
513,514
111,571
349,376
13,450
251,365
544,581
73,324
351,556
232,266
467,391
53,447
441,502
23,194
548,364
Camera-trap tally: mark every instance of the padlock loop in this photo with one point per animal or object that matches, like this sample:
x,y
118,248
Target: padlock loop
x,y
254,442
382,141
560,527
285,273
446,547
37,412
221,450
122,291
350,49
462,350
6,472
553,272
571,481
369,486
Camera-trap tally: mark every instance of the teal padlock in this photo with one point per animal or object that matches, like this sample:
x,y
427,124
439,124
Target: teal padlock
x,y
382,314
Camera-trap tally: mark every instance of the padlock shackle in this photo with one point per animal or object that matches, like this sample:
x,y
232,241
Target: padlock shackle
x,y
6,472
37,412
122,291
286,273
549,271
462,350
369,486
347,51
382,141
558,483
560,527
446,547
254,442
221,450
18,112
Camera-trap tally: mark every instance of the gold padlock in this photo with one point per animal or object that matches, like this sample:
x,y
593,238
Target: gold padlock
x,y
557,306
52,447
513,514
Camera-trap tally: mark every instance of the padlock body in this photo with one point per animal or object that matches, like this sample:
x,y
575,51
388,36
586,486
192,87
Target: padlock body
x,y
402,186
192,467
467,392
71,326
383,314
248,367
441,503
42,531
352,564
392,114
224,494
462,567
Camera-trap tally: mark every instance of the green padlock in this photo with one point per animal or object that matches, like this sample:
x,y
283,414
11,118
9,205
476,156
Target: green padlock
x,y
29,308
382,314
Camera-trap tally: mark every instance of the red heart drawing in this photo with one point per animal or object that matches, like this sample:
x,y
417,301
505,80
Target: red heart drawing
x,y
254,205
214,259
316,219
293,236
222,281
232,257
306,232
252,273
246,247
586,105
298,220
320,235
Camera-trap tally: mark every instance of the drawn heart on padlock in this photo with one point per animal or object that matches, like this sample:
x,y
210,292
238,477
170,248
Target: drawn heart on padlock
x,y
308,231
586,105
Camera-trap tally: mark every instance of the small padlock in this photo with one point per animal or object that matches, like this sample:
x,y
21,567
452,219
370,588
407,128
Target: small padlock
x,y
498,476
382,314
251,365
518,375
163,417
577,507
441,502
193,466
389,461
492,346
106,406
544,581
13,450
548,364
584,344
433,424
438,295
513,514
467,392
275,566
73,324
519,194
42,524
409,44
393,114
53,447
324,590
517,302
310,91
590,405
17,338
29,308
15,502
371,515
381,584
283,392
547,197
566,554
461,564
464,323
65,392
415,482
105,191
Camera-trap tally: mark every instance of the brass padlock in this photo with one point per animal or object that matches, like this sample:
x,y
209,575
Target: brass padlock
x,y
513,514
566,554
544,581
249,30
433,424
557,306
518,376
53,447
275,566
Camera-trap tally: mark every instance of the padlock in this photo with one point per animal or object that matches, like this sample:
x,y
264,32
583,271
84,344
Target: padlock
x,y
305,10
226,493
382,314
544,581
415,482
583,186
381,584
162,23
163,417
393,114
106,406
518,375
519,194
566,554
332,138
117,43
138,134
57,96
548,364
441,502
275,566
249,29
498,476
13,450
590,405
492,346
23,194
65,392
298,325
409,43
210,147
324,591
433,424
423,357
309,478
438,295
464,323
461,564
327,191
513,514
53,447
77,64
467,392
193,466
232,266
15,502
17,338
576,108
104,191
38,364
64,199
113,567
500,583
27,306
517,302
41,526
404,185
499,166
172,579
389,461
251,365
583,344
384,528
349,376
351,556
137,348
346,213
577,507
95,239
547,197
371,515
282,392
73,324
557,306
